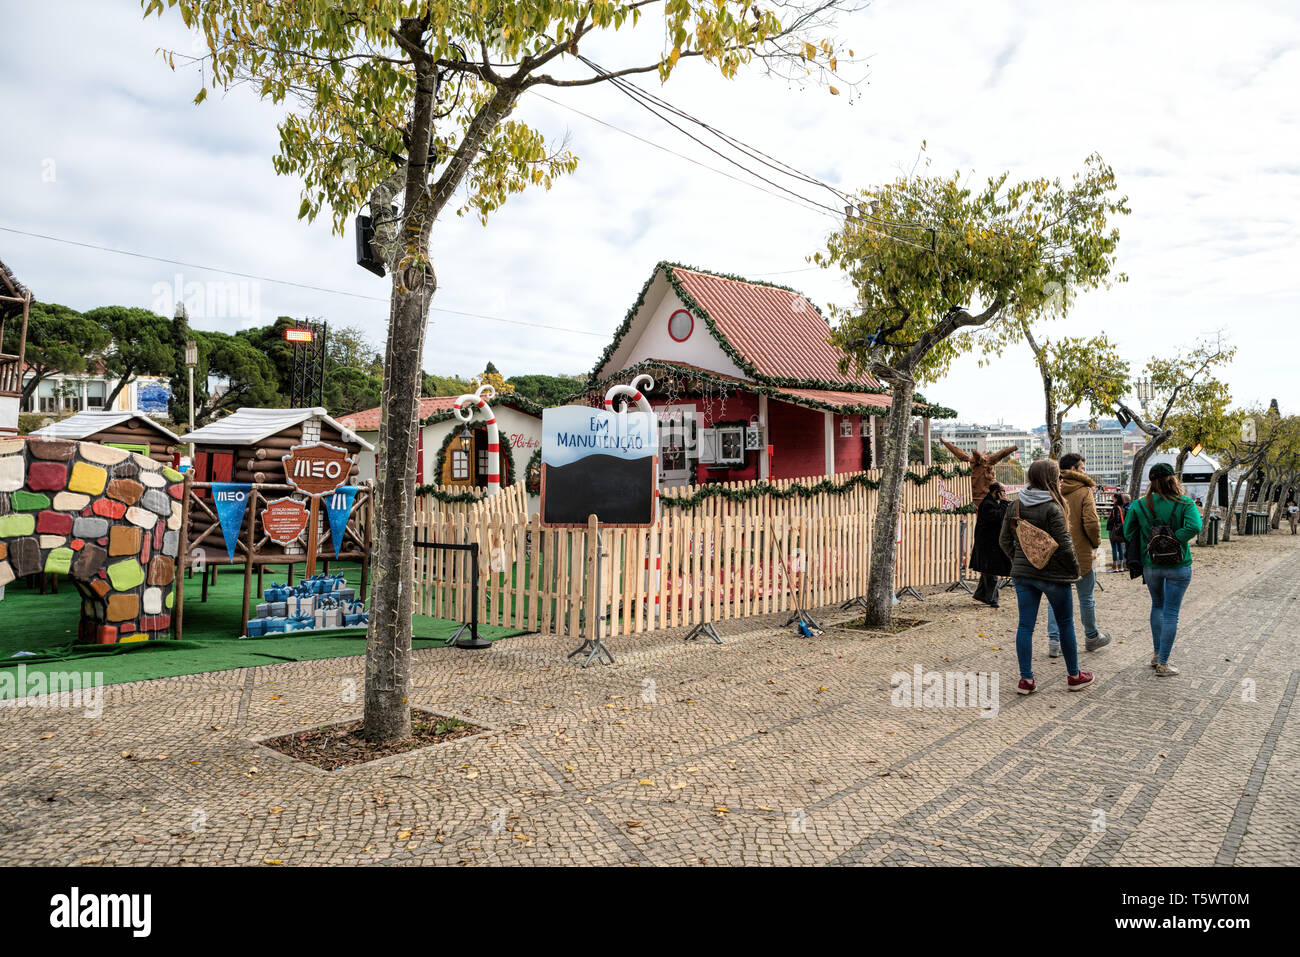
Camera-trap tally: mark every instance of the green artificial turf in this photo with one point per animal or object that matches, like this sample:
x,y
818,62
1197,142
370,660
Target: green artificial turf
x,y
47,625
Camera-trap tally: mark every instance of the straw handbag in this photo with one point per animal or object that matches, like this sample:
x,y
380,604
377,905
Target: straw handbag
x,y
1038,545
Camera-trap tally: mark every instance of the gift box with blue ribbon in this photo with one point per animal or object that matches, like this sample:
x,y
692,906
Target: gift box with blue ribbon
x,y
301,622
351,620
328,618
277,593
276,625
256,627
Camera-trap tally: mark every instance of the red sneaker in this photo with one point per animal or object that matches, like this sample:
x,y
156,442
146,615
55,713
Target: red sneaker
x,y
1026,686
1078,682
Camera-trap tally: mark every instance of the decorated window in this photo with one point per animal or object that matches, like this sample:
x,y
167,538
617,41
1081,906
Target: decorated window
x,y
459,465
680,325
731,445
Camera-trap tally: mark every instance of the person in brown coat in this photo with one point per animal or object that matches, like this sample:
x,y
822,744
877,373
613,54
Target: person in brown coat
x,y
981,465
1080,493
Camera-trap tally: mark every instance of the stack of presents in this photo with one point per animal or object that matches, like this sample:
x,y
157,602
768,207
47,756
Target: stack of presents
x,y
322,601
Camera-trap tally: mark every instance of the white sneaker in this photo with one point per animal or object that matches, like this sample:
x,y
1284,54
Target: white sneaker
x,y
1053,649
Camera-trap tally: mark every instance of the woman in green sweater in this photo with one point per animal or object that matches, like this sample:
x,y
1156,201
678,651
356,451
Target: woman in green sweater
x,y
1166,558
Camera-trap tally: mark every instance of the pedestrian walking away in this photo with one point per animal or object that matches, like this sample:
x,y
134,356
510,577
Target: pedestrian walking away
x,y
1293,516
987,556
1036,537
1115,531
1160,525
1079,491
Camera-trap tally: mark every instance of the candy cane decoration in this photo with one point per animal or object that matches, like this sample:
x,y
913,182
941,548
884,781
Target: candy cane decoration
x,y
465,407
634,390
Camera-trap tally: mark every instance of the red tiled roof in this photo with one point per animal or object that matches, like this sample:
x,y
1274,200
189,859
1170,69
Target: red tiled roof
x,y
368,421
839,400
778,331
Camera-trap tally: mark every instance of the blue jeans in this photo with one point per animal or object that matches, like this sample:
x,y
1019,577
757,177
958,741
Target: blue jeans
x,y
1029,592
1117,551
1167,587
1087,610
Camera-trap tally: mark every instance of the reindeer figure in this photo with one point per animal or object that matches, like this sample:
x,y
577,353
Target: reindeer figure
x,y
981,467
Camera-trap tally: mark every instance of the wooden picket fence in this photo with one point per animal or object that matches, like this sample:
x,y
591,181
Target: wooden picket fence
x,y
510,500
717,560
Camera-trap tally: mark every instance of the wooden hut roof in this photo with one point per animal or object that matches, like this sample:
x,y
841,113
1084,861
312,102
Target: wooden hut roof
x,y
87,423
250,426
12,293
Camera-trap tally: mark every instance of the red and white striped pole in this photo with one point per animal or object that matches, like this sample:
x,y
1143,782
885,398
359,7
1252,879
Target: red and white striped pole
x,y
635,391
465,408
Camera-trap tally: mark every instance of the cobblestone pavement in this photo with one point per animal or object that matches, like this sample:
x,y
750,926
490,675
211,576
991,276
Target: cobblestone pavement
x,y
767,749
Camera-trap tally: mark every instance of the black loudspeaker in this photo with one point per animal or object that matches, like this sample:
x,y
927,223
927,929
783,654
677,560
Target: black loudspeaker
x,y
1223,490
367,258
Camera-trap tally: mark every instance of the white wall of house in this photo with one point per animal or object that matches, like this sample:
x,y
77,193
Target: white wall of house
x,y
649,338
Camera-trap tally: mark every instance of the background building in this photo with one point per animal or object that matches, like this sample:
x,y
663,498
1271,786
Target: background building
x,y
1101,448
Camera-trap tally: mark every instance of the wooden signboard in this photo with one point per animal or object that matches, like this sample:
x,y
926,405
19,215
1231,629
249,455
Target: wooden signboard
x,y
316,470
602,463
284,520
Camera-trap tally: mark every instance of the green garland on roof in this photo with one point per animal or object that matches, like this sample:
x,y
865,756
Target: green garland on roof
x,y
700,313
799,490
759,388
741,361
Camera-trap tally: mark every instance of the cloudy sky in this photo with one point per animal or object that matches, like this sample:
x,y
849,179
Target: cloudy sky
x,y
1193,104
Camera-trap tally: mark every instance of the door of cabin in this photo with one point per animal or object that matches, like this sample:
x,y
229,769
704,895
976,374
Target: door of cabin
x,y
677,445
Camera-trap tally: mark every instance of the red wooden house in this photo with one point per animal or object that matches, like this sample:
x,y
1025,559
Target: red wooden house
x,y
747,384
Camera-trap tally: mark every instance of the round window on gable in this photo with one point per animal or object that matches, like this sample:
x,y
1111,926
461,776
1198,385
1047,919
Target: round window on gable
x,y
680,325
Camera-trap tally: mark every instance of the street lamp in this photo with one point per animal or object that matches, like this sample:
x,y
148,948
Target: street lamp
x,y
191,360
1145,393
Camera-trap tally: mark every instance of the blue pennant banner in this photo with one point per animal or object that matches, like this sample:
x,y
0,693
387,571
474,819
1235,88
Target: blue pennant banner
x,y
338,505
231,499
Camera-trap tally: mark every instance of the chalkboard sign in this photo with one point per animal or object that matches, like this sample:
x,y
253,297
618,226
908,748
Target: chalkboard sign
x,y
602,463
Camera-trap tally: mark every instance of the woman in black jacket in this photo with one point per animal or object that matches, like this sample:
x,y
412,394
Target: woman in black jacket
x,y
1115,531
987,556
1041,506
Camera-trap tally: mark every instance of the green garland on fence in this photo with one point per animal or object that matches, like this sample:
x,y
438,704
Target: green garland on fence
x,y
933,510
824,487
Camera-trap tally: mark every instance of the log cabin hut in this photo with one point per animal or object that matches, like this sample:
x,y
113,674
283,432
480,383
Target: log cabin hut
x,y
132,431
247,446
454,453
747,383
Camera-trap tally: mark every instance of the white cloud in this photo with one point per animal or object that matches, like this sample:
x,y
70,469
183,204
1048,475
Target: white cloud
x,y
1192,103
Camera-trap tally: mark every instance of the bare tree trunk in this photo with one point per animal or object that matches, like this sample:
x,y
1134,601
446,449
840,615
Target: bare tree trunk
x,y
889,502
1209,504
1229,526
1140,463
1182,460
388,642
127,377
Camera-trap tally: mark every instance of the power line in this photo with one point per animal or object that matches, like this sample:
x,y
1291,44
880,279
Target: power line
x,y
288,282
799,201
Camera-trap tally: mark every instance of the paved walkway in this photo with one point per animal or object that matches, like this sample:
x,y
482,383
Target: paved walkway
x,y
768,749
